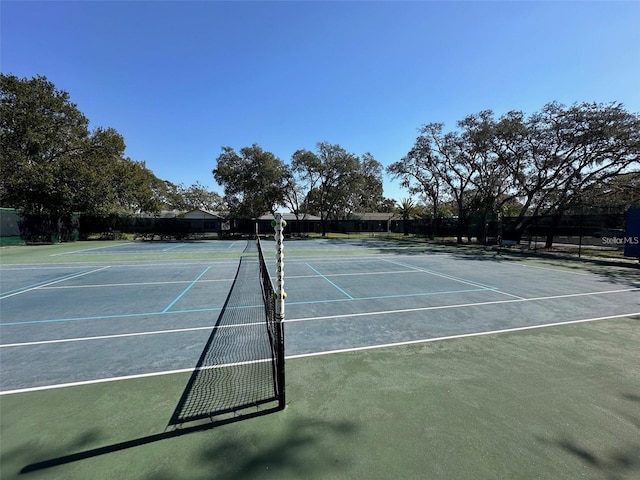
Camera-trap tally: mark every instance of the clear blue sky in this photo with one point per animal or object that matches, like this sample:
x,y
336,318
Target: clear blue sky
x,y
180,80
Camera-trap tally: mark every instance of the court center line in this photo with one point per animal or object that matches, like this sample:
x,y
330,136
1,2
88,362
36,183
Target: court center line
x,y
336,286
185,290
315,354
46,284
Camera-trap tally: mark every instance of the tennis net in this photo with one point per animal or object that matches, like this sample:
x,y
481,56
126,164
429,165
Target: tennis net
x,y
242,365
275,328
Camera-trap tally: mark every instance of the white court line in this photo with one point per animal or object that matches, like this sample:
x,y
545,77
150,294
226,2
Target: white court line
x,y
461,305
151,264
131,377
104,285
123,335
53,282
327,317
49,266
174,247
507,294
438,274
306,355
355,274
89,249
462,335
455,279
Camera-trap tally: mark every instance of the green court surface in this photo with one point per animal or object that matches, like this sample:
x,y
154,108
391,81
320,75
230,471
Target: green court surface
x,y
560,402
404,361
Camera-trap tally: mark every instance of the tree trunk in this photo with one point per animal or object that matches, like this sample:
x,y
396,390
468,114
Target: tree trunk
x,y
555,221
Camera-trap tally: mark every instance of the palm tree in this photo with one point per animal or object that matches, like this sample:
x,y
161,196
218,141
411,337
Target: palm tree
x,y
406,209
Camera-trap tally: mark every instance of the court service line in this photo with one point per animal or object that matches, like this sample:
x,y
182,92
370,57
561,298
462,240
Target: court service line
x,y
336,286
314,354
46,284
185,290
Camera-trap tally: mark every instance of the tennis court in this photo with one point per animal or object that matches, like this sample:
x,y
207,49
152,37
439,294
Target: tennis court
x,y
133,313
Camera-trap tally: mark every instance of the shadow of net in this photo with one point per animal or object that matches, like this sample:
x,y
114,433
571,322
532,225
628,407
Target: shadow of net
x,y
236,376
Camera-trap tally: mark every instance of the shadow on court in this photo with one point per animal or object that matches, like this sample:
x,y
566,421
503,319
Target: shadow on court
x,y
622,462
234,380
621,272
287,451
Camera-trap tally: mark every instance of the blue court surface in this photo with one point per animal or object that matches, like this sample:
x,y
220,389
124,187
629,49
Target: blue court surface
x,y
65,323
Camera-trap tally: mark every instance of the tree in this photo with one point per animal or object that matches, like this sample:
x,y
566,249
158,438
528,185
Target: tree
x,y
138,189
42,137
619,193
544,164
559,154
416,175
366,191
336,182
407,210
442,164
254,180
304,176
53,166
197,196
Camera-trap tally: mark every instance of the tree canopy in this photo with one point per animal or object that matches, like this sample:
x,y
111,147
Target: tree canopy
x,y
197,196
335,183
53,165
546,163
254,180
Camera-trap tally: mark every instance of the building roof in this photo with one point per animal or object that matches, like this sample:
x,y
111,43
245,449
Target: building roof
x,y
290,217
200,213
374,216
